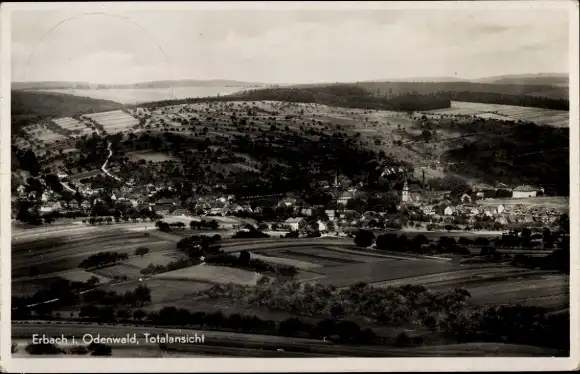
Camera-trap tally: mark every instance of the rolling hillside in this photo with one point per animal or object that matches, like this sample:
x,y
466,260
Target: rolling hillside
x,y
557,80
31,107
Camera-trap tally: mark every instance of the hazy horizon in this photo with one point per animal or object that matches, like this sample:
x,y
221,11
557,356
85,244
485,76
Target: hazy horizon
x,y
287,47
321,82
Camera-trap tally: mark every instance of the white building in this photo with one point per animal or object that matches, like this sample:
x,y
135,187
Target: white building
x,y
294,223
405,196
330,214
524,191
500,209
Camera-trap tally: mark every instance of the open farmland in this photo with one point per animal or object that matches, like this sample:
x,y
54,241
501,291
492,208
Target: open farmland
x,y
560,203
63,249
153,258
151,156
321,256
556,118
42,133
551,291
303,265
488,283
114,121
211,274
163,291
73,125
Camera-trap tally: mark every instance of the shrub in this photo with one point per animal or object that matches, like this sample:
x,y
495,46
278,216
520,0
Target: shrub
x,y
364,238
78,350
43,349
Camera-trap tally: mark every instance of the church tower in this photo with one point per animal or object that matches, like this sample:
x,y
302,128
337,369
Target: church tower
x,y
405,196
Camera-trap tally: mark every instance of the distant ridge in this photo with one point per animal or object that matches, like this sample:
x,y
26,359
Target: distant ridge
x,y
541,79
420,80
152,84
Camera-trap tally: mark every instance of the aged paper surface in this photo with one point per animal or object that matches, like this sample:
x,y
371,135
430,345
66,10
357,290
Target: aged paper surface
x,y
247,186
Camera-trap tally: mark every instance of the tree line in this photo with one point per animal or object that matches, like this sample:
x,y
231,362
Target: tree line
x,y
102,259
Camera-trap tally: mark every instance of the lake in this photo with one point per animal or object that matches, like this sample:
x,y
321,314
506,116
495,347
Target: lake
x,y
142,95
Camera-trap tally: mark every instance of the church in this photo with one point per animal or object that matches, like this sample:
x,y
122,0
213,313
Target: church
x,y
411,193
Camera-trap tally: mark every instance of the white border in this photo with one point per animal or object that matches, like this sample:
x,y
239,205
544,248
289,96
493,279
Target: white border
x,y
104,365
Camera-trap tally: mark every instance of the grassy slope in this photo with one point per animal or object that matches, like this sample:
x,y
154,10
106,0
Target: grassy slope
x,y
29,107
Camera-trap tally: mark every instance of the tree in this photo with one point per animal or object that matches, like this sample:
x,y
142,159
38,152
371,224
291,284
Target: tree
x,y
139,314
364,238
213,224
141,251
337,310
426,135
33,271
142,295
98,349
564,222
43,349
330,226
93,281
290,326
244,258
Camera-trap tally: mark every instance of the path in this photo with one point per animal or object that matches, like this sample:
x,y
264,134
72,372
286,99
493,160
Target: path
x,y
103,168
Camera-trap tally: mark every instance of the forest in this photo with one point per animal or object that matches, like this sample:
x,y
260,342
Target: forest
x,y
32,107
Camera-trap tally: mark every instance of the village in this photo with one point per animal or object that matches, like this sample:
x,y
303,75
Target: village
x,y
413,208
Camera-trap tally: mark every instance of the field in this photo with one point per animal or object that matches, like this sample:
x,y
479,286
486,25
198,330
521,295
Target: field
x,y
114,121
152,258
303,265
162,291
63,248
556,118
321,256
72,124
488,283
560,203
150,156
211,274
42,133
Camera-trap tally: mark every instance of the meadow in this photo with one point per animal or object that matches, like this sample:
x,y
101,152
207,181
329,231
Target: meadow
x,y
151,156
211,274
114,121
556,118
560,203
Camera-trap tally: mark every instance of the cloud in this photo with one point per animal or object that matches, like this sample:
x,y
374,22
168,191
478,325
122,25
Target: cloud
x,y
287,46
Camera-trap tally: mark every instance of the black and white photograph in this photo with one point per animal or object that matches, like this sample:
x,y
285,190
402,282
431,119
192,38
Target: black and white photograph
x,y
288,181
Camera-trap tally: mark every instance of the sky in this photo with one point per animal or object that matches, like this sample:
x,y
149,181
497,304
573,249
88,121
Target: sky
x,y
275,46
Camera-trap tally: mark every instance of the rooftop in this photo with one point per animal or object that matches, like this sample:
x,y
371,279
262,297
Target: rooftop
x,y
525,188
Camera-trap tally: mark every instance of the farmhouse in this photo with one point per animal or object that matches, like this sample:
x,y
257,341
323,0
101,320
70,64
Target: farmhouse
x,y
483,190
21,190
294,223
465,198
501,220
164,204
344,198
330,214
448,211
524,191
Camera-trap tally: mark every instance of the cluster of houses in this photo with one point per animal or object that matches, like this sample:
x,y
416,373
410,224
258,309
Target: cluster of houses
x,y
413,200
